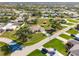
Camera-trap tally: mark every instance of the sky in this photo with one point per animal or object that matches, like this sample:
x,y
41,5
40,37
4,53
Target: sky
x,y
39,0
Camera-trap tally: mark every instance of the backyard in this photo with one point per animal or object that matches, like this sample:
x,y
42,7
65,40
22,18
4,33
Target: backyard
x,y
34,38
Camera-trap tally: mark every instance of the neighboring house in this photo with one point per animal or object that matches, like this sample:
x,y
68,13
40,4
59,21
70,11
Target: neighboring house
x,y
1,27
31,20
10,26
45,15
74,51
73,47
2,24
77,27
1,30
55,14
35,28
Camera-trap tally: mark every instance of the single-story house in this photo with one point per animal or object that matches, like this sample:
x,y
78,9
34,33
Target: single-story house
x,y
73,47
35,28
10,26
45,15
74,51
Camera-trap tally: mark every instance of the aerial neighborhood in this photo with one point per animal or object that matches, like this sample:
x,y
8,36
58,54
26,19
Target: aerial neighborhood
x,y
39,29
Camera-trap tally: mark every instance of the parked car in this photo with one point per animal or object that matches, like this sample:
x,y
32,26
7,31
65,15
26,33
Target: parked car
x,y
44,50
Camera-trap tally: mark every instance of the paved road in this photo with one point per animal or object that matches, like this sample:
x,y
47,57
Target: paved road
x,y
28,49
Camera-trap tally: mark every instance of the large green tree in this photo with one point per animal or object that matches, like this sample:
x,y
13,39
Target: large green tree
x,y
23,32
56,24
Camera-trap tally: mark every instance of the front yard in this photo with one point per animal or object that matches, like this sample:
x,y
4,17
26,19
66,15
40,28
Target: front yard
x,y
72,31
36,53
71,20
65,36
57,44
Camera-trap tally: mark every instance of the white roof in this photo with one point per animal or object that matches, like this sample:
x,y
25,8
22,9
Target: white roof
x,y
9,26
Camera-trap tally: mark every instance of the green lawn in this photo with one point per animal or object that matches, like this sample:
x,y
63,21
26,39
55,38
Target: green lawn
x,y
65,36
70,24
57,44
72,31
2,44
34,38
9,35
36,53
64,26
71,20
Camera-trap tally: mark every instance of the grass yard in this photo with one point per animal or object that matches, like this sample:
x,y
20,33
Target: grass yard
x,y
57,44
70,24
72,31
64,26
71,20
34,38
44,23
65,36
9,35
2,44
36,53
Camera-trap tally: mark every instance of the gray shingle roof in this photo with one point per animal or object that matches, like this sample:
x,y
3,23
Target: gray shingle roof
x,y
75,50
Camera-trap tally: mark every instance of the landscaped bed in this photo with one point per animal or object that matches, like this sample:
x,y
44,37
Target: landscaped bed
x,y
57,44
72,31
34,38
65,36
36,53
